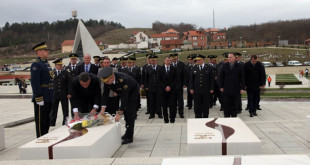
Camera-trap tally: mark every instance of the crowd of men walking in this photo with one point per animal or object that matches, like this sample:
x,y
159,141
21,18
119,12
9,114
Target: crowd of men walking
x,y
106,86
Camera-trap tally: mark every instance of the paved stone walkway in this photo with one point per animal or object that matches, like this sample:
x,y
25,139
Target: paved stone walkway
x,y
280,126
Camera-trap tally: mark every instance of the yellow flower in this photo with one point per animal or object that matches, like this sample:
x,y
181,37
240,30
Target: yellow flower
x,y
84,123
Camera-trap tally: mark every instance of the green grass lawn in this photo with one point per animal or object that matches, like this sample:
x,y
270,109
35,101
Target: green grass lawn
x,y
287,79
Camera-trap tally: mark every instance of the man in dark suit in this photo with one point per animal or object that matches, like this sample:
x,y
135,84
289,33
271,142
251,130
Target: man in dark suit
x,y
238,60
219,67
60,93
231,85
72,73
189,67
215,94
181,82
167,81
254,80
143,82
128,89
85,94
87,66
152,86
42,88
201,85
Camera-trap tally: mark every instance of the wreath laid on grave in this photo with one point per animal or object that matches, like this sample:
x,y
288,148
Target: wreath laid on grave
x,y
90,121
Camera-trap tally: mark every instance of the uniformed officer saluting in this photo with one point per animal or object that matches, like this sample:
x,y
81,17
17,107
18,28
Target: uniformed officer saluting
x,y
42,89
128,89
201,85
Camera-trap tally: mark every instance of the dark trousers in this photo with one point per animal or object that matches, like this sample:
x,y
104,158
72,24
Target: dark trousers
x,y
130,113
180,101
42,118
54,112
155,103
230,105
169,101
258,99
189,99
201,105
252,100
112,105
239,104
148,104
215,94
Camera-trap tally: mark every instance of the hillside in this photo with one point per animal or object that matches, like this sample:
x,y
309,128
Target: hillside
x,y
121,35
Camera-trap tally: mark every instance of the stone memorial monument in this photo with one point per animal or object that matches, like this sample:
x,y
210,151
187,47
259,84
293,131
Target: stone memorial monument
x,y
94,142
220,136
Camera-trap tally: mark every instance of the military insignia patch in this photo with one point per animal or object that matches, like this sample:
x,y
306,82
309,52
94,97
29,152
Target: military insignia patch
x,y
195,72
68,70
120,80
125,87
52,74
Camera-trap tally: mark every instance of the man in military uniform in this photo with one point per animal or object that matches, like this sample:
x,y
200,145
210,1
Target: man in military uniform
x,y
42,89
134,72
189,67
215,94
85,94
181,82
97,61
152,86
123,64
87,66
238,60
128,89
144,68
115,63
60,92
167,81
72,73
231,85
201,85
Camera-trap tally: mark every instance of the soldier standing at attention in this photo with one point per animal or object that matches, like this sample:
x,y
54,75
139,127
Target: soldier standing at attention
x,y
216,92
144,69
72,73
180,83
201,85
97,61
60,93
189,68
42,89
115,63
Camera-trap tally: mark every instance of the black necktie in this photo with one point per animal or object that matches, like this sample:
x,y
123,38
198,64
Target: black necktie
x,y
73,67
200,67
168,70
58,72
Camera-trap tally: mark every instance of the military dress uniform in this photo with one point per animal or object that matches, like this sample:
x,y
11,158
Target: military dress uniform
x,y
152,83
215,94
72,73
128,89
60,94
201,81
189,68
135,73
42,89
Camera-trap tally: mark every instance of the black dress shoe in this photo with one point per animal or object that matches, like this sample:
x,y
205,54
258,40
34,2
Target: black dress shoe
x,y
251,115
159,116
172,121
151,117
258,108
186,106
239,112
166,121
247,108
124,136
126,141
182,116
189,108
147,112
255,114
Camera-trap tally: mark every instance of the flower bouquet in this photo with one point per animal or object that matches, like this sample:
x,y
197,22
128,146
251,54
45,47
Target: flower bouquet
x,y
87,120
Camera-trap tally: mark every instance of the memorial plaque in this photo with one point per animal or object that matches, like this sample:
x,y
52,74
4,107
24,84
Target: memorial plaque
x,y
220,136
2,140
94,142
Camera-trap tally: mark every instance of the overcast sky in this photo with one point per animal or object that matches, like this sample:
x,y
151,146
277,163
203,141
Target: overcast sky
x,y
142,13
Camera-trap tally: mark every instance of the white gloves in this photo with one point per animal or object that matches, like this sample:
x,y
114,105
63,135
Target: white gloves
x,y
41,103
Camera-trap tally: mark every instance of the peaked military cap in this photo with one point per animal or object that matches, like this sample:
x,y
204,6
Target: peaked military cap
x,y
237,54
153,56
101,59
114,58
173,55
73,55
96,57
225,55
212,56
105,73
40,46
148,55
132,59
123,58
190,57
199,57
58,61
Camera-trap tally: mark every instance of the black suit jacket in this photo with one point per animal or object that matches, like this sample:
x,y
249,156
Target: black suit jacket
x,y
181,75
232,80
71,75
81,68
125,86
136,73
167,80
61,84
90,95
151,78
254,76
201,81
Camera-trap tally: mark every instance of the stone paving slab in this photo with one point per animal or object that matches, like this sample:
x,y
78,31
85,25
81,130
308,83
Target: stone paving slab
x,y
281,126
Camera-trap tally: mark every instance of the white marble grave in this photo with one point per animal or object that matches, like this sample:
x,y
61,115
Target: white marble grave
x,y
99,142
210,140
240,160
2,141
